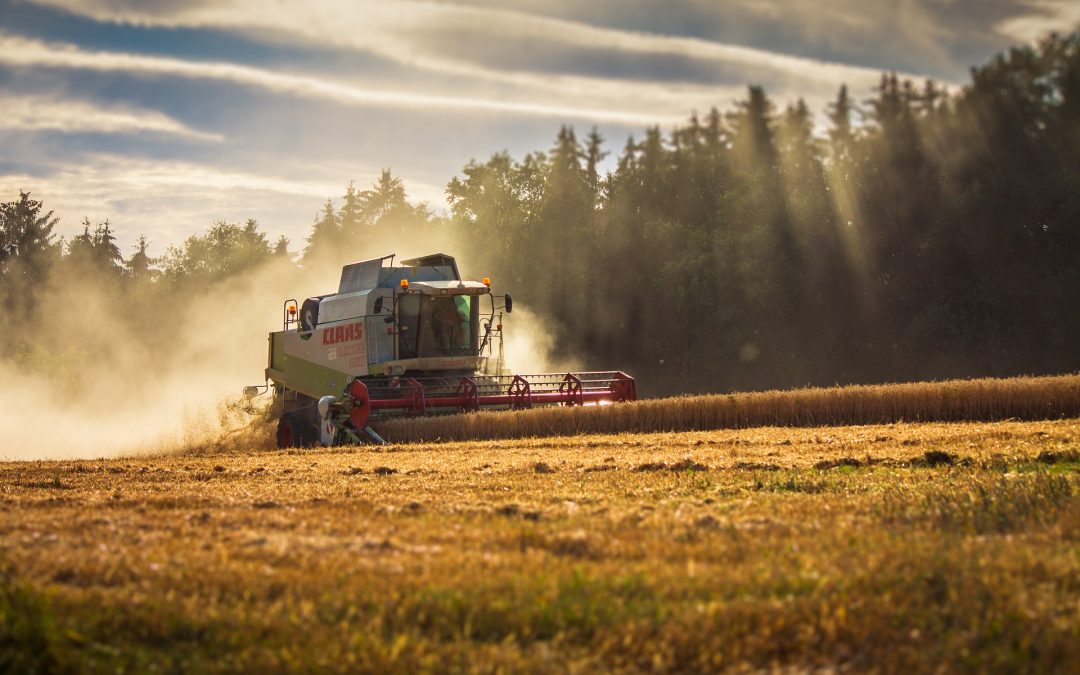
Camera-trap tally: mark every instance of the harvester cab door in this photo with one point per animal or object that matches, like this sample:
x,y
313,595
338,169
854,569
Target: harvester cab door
x,y
408,333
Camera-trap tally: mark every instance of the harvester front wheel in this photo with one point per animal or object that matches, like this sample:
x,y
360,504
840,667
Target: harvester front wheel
x,y
291,432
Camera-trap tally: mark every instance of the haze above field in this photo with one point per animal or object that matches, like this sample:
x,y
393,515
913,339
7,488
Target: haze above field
x,y
166,119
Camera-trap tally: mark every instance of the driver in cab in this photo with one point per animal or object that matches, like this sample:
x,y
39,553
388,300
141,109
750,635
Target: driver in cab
x,y
450,323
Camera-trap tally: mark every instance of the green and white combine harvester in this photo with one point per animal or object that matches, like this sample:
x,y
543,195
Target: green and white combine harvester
x,y
405,340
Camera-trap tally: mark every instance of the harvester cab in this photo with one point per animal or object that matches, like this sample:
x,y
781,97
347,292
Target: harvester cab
x,y
408,339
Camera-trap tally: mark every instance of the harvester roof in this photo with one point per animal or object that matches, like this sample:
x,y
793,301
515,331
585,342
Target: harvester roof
x,y
448,287
381,273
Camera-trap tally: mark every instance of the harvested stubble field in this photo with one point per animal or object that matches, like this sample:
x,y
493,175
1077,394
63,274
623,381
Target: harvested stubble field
x,y
901,547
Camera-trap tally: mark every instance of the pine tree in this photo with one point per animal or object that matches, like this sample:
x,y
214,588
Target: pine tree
x,y
386,196
140,265
281,248
840,114
106,252
28,251
796,132
351,216
593,156
325,234
712,131
81,247
27,242
751,126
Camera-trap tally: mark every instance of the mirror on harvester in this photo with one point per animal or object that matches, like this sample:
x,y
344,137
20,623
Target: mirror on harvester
x,y
509,303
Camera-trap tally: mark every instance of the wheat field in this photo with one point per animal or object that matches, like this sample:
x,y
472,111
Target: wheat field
x,y
944,547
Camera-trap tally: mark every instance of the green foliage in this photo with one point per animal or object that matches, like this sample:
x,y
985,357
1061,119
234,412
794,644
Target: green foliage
x,y
140,266
924,235
28,632
25,234
96,252
225,250
28,250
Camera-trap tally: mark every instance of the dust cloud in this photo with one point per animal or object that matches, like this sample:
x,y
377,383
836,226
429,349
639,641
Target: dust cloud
x,y
105,374
106,370
529,345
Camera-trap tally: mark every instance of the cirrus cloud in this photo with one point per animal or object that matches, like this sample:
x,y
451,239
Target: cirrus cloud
x,y
1042,17
29,53
504,54
35,112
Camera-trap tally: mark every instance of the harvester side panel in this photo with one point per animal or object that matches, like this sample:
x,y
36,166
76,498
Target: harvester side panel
x,y
319,362
306,377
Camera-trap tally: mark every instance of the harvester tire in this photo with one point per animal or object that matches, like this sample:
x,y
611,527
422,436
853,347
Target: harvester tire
x,y
292,432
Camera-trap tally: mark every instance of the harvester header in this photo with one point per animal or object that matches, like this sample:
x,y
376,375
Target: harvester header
x,y
405,340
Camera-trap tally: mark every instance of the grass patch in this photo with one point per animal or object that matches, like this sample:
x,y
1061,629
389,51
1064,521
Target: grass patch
x,y
979,505
29,640
1069,456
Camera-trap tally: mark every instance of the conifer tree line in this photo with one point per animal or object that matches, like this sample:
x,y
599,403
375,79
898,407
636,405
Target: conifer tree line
x,y
917,234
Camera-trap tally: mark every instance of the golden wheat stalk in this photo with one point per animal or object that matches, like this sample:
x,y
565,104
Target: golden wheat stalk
x,y
1024,398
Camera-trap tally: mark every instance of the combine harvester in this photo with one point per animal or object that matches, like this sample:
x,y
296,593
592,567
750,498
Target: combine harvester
x,y
404,340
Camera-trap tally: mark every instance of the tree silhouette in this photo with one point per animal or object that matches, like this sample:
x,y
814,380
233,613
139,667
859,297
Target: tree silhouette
x,y
140,265
923,234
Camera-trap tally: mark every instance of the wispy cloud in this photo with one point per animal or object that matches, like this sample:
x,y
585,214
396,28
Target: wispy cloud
x,y
1042,17
942,38
54,113
472,44
425,34
149,196
23,52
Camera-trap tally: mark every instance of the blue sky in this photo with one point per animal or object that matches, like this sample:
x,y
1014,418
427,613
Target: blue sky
x,y
167,116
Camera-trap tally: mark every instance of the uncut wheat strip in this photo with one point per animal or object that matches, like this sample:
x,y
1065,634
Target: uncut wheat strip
x,y
956,400
945,401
